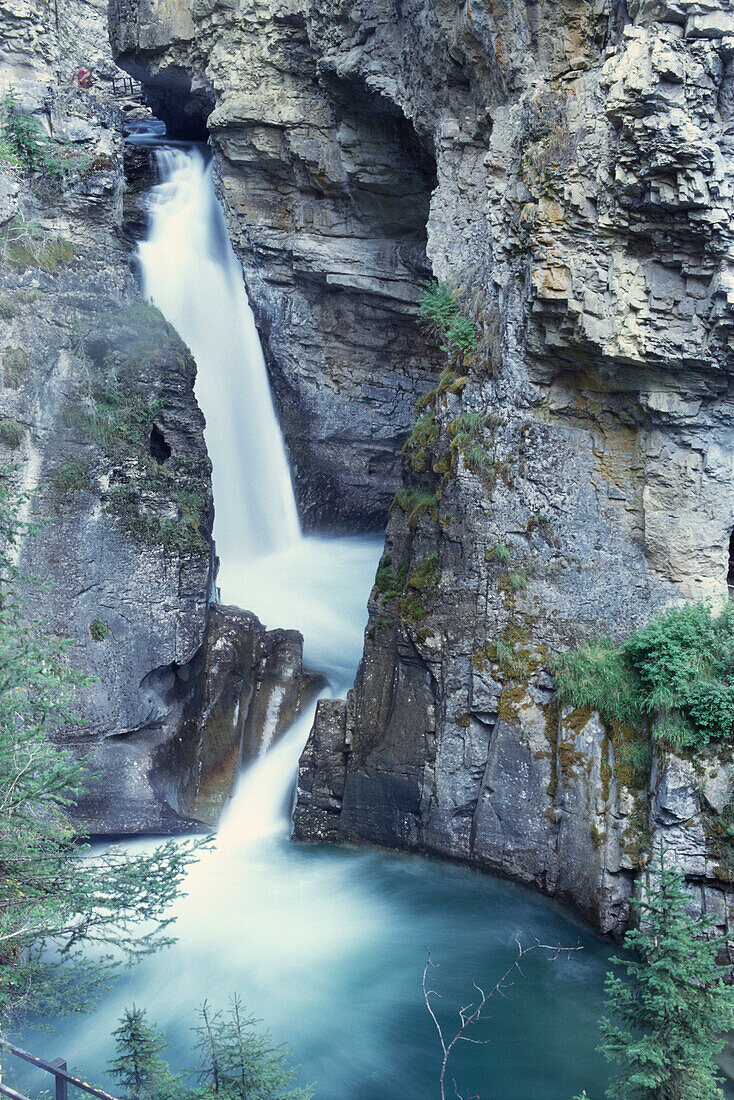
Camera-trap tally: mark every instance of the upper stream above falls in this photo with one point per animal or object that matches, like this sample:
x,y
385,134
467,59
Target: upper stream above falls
x,y
327,945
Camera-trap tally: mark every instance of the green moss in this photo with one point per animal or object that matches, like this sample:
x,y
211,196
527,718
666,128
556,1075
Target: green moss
x,y
412,589
511,702
72,476
605,770
720,834
552,714
16,367
115,409
411,608
597,837
637,837
417,503
510,653
8,309
467,432
424,577
99,629
517,580
391,582
420,441
12,433
632,756
459,384
146,524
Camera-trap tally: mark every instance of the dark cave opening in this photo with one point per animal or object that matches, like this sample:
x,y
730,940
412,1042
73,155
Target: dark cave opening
x,y
157,445
730,569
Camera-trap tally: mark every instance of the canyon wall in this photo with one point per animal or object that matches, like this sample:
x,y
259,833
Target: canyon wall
x,y
325,186
568,167
100,428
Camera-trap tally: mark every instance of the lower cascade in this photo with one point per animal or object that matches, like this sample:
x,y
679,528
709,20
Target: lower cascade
x,y
326,944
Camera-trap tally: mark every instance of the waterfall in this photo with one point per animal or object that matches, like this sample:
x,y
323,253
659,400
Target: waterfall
x,y
317,585
193,276
327,945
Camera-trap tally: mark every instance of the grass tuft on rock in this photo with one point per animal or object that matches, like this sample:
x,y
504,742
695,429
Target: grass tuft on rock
x,y
16,367
72,476
674,676
12,433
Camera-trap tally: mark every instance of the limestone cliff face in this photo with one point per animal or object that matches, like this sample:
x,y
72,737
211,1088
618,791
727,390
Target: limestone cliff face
x,y
574,162
99,423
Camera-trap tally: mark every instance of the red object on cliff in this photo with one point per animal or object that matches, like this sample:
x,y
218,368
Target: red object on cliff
x,y
84,77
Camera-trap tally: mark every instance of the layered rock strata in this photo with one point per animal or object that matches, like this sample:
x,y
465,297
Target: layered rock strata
x,y
582,481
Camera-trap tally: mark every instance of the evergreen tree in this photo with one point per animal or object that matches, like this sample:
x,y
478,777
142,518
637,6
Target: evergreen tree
x,y
56,895
666,1020
239,1062
138,1066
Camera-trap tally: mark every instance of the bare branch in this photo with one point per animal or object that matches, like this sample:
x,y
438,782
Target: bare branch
x,y
471,1014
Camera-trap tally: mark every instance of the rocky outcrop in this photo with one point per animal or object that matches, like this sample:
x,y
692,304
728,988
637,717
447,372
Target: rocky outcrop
x,y
247,688
43,44
583,477
572,475
203,721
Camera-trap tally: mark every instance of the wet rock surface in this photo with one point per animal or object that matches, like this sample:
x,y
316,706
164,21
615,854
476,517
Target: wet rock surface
x,y
249,691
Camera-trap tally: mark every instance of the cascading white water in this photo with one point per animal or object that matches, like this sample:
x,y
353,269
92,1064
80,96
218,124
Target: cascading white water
x,y
317,585
192,275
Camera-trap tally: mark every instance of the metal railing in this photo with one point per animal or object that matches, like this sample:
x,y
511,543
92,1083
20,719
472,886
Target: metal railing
x,y
58,1068
126,86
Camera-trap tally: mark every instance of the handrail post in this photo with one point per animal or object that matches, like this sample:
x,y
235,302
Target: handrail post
x,y
62,1089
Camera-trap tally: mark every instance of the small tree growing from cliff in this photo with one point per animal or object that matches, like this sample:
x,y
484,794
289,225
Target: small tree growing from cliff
x,y
55,894
665,1022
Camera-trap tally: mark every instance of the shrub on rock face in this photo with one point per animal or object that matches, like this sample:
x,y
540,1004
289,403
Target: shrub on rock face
x,y
72,476
99,629
12,433
675,676
16,365
441,312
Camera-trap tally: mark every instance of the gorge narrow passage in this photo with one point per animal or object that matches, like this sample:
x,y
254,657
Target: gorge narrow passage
x,y
326,945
